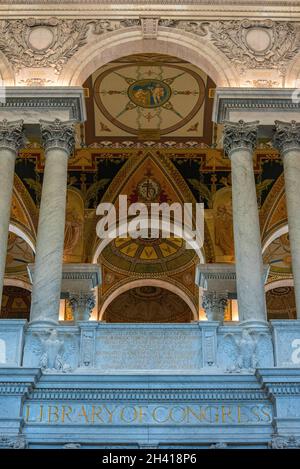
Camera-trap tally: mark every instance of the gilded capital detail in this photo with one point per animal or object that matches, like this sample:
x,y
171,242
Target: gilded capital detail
x,y
240,135
58,134
11,134
287,136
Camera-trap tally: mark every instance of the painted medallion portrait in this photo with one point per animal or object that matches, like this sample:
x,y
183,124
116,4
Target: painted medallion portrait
x,y
149,93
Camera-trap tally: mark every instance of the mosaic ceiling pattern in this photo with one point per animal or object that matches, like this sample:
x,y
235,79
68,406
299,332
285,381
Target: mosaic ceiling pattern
x,y
148,255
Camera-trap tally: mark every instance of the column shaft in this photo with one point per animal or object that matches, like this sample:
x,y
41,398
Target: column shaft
x,y
11,138
287,139
239,141
50,240
248,251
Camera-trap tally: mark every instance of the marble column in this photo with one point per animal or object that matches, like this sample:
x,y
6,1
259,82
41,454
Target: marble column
x,y
287,140
239,143
58,140
11,139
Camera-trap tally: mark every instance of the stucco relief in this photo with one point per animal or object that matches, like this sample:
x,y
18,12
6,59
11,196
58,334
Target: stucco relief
x,y
36,42
51,42
244,352
52,351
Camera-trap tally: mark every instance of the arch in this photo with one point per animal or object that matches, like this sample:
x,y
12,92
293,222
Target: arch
x,y
275,235
15,282
285,282
14,228
183,194
170,41
153,282
176,230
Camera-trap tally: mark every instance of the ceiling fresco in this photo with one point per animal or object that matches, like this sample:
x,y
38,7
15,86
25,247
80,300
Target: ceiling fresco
x,y
148,255
149,97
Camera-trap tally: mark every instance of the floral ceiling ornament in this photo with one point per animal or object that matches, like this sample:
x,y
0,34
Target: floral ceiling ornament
x,y
35,42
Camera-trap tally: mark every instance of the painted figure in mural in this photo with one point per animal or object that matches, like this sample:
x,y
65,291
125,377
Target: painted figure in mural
x,y
73,231
149,93
223,229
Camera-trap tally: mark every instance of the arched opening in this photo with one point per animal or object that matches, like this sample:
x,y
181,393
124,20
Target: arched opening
x,y
154,285
15,302
281,301
16,296
280,295
148,303
120,43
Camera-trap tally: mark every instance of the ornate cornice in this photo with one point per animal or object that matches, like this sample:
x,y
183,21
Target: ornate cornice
x,y
287,136
240,136
33,103
142,395
11,135
58,134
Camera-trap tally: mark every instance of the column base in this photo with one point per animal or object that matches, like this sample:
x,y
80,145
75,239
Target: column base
x,y
39,323
250,323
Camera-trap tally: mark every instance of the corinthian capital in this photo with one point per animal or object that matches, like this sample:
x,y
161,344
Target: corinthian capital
x,y
82,304
214,304
58,134
240,135
287,136
11,135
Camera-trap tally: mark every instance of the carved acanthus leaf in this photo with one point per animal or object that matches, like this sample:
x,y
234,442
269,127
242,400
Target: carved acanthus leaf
x,y
15,41
232,38
58,134
287,135
239,135
63,38
241,40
